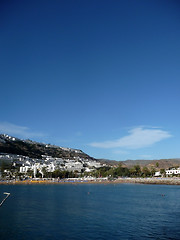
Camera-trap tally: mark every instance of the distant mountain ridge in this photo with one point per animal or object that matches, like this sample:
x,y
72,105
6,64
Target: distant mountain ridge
x,y
158,164
32,149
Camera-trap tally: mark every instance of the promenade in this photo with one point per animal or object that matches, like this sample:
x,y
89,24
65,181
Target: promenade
x,y
165,181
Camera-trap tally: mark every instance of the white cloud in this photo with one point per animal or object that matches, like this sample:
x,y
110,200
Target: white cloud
x,y
120,152
138,137
15,130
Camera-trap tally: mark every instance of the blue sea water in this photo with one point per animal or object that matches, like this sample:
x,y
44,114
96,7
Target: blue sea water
x,y
90,211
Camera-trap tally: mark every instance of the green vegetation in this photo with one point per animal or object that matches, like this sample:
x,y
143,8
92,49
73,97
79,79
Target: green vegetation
x,y
64,174
157,164
120,171
9,171
163,172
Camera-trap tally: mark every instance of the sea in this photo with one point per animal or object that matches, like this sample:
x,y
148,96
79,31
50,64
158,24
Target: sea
x,y
90,211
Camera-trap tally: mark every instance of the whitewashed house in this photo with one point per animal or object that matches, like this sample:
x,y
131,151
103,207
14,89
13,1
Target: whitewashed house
x,y
169,172
173,171
157,174
24,169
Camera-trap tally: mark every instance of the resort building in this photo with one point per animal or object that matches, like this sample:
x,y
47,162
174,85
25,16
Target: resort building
x,y
170,172
173,171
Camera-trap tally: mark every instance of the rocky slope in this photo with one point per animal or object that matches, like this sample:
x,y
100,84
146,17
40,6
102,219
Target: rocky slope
x,y
33,149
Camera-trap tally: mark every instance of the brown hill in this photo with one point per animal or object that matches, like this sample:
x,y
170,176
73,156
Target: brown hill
x,y
157,164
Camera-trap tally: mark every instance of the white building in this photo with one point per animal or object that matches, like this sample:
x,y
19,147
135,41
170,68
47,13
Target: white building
x,y
88,170
73,166
24,169
173,171
94,164
169,172
157,174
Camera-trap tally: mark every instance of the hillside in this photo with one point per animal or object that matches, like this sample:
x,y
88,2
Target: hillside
x,y
158,164
33,149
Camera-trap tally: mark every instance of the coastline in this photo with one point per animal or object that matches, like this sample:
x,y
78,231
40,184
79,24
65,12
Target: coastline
x,y
160,181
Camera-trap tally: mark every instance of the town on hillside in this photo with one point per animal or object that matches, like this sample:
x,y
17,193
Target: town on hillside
x,y
26,159
24,166
20,167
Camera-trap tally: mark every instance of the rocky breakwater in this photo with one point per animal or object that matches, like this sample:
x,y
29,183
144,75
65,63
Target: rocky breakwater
x,y
167,181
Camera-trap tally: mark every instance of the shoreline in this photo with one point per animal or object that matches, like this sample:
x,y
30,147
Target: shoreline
x,y
158,181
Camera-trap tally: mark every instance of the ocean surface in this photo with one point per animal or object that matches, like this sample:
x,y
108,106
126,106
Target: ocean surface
x,y
90,211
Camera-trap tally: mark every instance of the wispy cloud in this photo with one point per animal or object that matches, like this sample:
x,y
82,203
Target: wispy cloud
x,y
20,131
138,137
122,152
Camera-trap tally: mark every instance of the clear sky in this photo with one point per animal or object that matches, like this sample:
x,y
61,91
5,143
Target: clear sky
x,y
98,75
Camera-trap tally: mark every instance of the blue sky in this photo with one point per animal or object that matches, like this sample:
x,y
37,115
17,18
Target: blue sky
x,y
101,76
